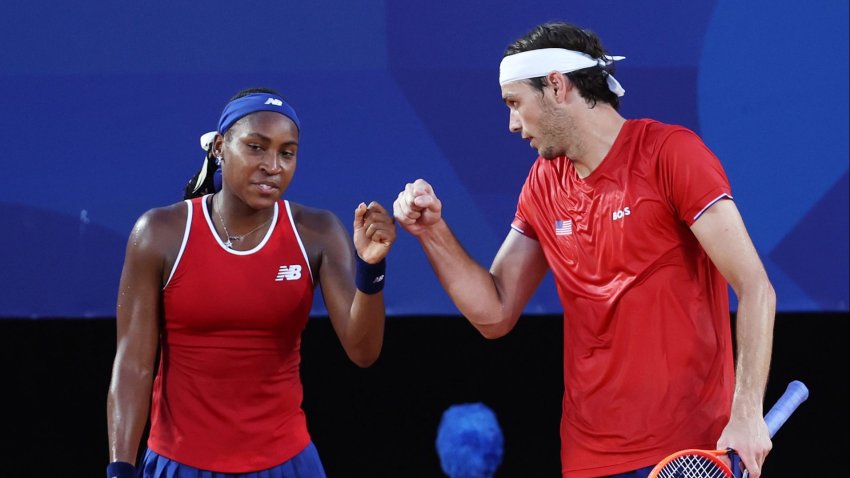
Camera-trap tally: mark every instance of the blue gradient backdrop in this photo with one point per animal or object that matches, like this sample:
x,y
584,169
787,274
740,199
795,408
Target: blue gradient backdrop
x,y
104,101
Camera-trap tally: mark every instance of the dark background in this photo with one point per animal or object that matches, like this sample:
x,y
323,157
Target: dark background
x,y
382,421
105,101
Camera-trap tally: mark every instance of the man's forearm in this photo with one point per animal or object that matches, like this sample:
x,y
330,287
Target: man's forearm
x,y
754,324
470,286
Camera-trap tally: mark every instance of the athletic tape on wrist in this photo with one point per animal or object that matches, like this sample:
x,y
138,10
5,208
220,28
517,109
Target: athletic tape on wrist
x,y
369,278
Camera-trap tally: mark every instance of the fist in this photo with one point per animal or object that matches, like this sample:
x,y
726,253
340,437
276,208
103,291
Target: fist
x,y
417,207
374,232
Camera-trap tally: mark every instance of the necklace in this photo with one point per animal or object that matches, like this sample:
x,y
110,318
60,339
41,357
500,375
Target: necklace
x,y
231,239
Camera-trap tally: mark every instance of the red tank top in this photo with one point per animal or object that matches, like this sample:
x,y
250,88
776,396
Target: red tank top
x,y
228,393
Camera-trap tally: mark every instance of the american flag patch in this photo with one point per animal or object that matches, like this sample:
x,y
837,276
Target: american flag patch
x,y
564,228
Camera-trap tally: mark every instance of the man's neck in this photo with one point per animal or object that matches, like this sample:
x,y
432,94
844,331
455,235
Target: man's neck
x,y
600,127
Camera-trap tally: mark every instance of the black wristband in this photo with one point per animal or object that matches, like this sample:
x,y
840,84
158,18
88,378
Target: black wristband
x,y
369,278
120,469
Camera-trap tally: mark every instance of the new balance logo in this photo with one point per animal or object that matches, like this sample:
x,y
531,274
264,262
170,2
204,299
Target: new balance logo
x,y
274,101
288,273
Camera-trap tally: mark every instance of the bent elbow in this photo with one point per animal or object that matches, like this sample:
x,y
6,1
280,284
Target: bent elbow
x,y
770,296
491,334
364,359
495,331
365,363
491,322
765,293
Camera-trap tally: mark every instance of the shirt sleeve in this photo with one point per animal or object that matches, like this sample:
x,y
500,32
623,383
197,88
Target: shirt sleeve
x,y
521,222
691,175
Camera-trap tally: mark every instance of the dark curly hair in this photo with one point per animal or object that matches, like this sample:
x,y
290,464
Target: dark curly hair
x,y
592,83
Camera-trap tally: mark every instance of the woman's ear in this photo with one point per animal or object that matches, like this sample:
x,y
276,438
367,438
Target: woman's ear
x,y
218,146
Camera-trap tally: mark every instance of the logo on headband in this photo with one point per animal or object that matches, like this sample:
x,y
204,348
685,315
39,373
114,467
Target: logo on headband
x,y
251,104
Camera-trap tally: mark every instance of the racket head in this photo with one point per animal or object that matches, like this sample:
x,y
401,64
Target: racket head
x,y
693,464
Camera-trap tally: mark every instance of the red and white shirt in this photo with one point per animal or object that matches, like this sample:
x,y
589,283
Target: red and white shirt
x,y
648,363
228,393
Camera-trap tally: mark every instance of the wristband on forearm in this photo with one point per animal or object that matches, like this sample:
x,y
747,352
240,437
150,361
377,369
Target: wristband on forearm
x,y
369,277
120,469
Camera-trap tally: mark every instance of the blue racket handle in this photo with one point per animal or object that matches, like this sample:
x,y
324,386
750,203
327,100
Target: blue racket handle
x,y
794,395
736,467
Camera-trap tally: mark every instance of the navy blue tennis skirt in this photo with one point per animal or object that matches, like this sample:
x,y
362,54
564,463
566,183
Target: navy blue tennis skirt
x,y
303,465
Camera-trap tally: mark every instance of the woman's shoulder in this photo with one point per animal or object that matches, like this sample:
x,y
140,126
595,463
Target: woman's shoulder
x,y
313,218
165,216
161,227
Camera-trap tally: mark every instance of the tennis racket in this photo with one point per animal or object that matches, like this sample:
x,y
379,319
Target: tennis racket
x,y
707,463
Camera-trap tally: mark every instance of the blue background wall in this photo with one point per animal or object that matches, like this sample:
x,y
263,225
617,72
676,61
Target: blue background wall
x,y
104,102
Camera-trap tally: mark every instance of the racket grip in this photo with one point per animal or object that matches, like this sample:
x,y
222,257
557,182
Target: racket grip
x,y
735,462
794,395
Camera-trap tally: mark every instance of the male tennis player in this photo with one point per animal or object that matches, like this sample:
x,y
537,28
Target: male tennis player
x,y
636,222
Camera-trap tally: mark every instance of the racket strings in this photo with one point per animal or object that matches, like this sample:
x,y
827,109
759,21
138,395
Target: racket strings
x,y
692,466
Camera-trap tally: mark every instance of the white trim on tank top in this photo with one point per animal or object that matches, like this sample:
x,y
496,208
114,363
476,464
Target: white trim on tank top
x,y
298,237
233,251
182,244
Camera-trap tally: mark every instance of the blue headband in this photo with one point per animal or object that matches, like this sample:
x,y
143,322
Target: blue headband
x,y
252,103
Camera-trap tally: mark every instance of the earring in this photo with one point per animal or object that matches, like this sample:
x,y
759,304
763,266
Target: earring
x,y
218,160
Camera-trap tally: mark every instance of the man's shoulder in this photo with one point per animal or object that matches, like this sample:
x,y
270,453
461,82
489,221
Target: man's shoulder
x,y
657,135
656,129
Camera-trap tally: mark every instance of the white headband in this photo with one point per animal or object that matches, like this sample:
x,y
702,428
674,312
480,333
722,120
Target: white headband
x,y
536,63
